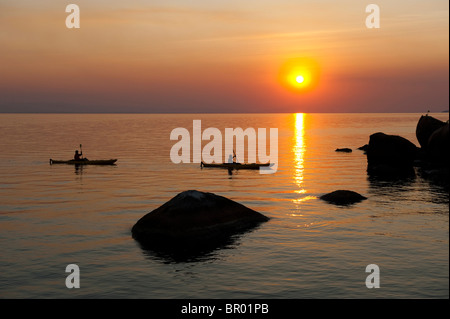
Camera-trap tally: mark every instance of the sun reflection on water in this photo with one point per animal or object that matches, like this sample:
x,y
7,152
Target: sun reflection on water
x,y
299,152
299,149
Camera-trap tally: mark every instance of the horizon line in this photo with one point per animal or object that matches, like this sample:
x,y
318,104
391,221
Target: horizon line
x,y
443,111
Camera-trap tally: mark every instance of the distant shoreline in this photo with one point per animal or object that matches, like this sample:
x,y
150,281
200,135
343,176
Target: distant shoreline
x,y
218,113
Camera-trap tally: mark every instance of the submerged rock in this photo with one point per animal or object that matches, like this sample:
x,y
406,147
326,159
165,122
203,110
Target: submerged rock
x,y
344,150
194,219
343,197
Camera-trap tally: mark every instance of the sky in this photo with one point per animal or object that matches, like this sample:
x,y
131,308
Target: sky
x,y
229,56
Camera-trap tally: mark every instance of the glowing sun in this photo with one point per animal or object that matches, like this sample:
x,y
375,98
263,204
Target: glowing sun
x,y
299,75
300,79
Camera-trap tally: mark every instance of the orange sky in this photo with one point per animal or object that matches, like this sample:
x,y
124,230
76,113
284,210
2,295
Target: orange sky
x,y
222,56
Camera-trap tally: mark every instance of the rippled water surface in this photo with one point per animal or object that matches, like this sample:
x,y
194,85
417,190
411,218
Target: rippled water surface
x,y
55,215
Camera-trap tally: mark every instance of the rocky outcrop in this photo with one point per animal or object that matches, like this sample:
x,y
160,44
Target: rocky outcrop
x,y
426,126
194,219
343,197
390,155
363,148
437,150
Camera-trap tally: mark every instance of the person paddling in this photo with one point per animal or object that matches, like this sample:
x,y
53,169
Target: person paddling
x,y
79,155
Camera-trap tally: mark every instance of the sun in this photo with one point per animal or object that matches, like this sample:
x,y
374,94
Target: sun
x,y
299,75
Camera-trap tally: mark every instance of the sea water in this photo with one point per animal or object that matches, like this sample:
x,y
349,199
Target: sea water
x,y
52,216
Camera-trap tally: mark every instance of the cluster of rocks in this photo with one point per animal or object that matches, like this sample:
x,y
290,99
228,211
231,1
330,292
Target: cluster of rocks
x,y
433,137
394,156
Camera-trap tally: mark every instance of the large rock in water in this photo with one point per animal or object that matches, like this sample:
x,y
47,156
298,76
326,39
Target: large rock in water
x,y
426,126
437,150
390,155
193,219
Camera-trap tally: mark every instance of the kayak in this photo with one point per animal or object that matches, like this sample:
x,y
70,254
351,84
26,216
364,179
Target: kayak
x,y
85,162
235,165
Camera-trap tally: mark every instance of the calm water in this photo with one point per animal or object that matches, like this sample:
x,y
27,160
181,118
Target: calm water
x,y
55,215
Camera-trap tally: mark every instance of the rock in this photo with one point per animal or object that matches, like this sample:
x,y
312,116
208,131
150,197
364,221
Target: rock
x,y
425,128
344,150
390,155
343,197
194,219
364,147
437,150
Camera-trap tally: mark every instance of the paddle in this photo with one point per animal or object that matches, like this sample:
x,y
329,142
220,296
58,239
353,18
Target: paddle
x,y
81,152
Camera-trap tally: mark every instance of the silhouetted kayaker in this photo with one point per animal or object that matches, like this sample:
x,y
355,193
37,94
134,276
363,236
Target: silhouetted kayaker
x,y
234,157
78,156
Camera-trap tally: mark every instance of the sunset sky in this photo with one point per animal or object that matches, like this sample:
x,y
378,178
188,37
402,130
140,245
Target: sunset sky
x,y
224,56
